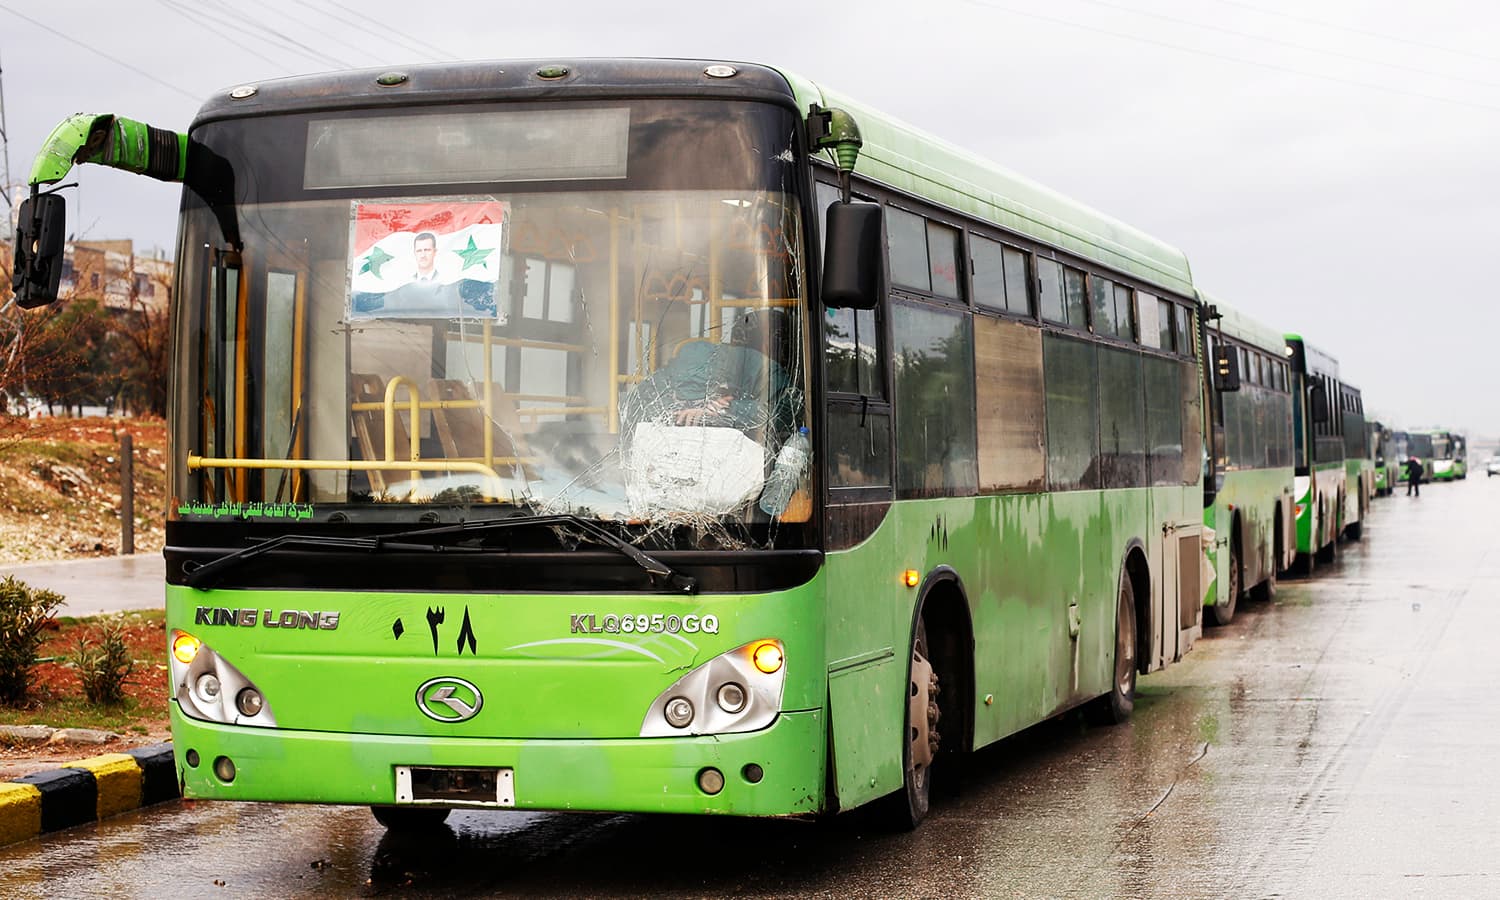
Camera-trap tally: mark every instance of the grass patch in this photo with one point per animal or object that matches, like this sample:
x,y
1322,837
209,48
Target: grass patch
x,y
57,695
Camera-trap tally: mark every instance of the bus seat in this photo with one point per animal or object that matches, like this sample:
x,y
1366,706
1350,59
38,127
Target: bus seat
x,y
461,430
369,427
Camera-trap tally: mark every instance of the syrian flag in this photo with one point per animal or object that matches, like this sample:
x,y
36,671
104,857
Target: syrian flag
x,y
425,260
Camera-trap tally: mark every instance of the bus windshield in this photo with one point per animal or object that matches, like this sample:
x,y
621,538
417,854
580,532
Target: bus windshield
x,y
1419,445
584,309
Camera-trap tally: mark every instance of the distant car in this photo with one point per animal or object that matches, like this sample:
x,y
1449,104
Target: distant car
x,y
1492,465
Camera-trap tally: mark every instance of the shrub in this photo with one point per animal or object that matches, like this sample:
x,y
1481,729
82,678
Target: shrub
x,y
24,612
104,666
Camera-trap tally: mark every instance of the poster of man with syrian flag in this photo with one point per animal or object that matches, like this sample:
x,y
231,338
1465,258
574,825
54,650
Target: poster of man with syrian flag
x,y
429,260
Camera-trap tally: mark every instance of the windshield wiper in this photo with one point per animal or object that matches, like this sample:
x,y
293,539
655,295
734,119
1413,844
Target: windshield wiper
x,y
206,575
652,566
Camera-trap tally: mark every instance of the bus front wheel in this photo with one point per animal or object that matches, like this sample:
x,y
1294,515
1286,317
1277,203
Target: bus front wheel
x,y
1222,612
410,819
909,806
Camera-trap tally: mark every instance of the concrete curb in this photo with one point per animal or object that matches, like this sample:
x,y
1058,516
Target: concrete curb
x,y
86,791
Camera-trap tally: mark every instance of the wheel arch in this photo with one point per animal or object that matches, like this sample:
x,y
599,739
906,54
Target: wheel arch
x,y
1137,568
944,603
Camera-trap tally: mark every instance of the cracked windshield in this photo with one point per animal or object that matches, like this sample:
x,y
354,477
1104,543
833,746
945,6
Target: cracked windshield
x,y
616,337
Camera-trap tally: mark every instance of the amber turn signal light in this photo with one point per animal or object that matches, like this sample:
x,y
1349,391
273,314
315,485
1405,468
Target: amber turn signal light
x,y
185,647
766,656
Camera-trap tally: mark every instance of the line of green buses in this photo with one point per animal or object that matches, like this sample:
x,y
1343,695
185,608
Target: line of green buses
x,y
675,436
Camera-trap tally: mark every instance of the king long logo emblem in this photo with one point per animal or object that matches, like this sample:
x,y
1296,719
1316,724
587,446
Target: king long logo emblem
x,y
449,699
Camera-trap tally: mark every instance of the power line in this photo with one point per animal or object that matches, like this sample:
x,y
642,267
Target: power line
x,y
100,53
1290,44
1227,58
287,40
394,38
1324,23
327,35
355,14
207,22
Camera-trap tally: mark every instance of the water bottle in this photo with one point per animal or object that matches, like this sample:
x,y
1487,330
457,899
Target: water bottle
x,y
786,474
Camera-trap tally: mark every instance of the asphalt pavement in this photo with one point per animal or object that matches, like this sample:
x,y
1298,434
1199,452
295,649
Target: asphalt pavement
x,y
95,586
1337,742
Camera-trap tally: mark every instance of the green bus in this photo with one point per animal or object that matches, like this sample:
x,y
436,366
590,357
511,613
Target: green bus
x,y
1384,449
1444,454
1359,462
1420,446
657,495
1321,481
1450,456
1249,504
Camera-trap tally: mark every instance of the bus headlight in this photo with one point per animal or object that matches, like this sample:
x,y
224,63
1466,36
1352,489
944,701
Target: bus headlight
x,y
730,693
207,686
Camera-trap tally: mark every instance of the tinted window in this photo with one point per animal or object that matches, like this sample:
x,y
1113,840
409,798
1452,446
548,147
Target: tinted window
x,y
851,348
943,251
1071,375
1164,420
1076,299
1017,285
1183,318
989,272
1049,284
1124,313
907,235
859,448
1166,332
1102,302
934,359
1122,415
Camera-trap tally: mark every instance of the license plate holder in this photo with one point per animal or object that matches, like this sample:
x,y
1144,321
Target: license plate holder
x,y
456,786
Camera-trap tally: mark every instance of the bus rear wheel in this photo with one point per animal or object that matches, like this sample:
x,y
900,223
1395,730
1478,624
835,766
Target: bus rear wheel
x,y
909,806
1222,612
410,819
1117,705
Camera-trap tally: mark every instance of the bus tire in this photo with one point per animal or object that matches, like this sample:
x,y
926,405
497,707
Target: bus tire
x,y
1329,552
1265,591
410,819
908,807
1356,530
1222,612
1117,705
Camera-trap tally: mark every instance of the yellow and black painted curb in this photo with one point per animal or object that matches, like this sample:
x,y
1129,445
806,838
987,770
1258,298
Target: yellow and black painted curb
x,y
85,791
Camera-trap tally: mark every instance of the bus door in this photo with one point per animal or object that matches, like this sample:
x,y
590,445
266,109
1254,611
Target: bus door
x,y
252,403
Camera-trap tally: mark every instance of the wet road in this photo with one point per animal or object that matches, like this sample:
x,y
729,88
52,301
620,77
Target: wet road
x,y
1338,742
93,586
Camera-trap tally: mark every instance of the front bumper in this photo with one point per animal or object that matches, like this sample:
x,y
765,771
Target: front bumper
x,y
625,775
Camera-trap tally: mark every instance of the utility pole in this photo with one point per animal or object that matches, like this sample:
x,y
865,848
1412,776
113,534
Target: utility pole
x,y
10,210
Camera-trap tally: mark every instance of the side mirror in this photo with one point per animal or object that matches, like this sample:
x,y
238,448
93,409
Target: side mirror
x,y
1226,369
39,250
852,258
1319,404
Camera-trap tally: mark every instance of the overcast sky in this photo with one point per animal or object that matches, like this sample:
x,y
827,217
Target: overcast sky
x,y
1329,166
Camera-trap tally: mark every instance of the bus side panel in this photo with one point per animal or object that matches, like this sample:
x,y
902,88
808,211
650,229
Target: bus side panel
x,y
869,620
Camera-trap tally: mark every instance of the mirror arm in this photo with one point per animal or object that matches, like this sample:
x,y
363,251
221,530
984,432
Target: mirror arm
x,y
834,129
113,141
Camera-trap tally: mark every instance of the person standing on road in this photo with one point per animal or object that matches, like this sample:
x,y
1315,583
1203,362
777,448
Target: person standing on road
x,y
1413,468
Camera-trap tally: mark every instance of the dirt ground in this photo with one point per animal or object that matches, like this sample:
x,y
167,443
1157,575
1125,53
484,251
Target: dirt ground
x,y
60,487
60,499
